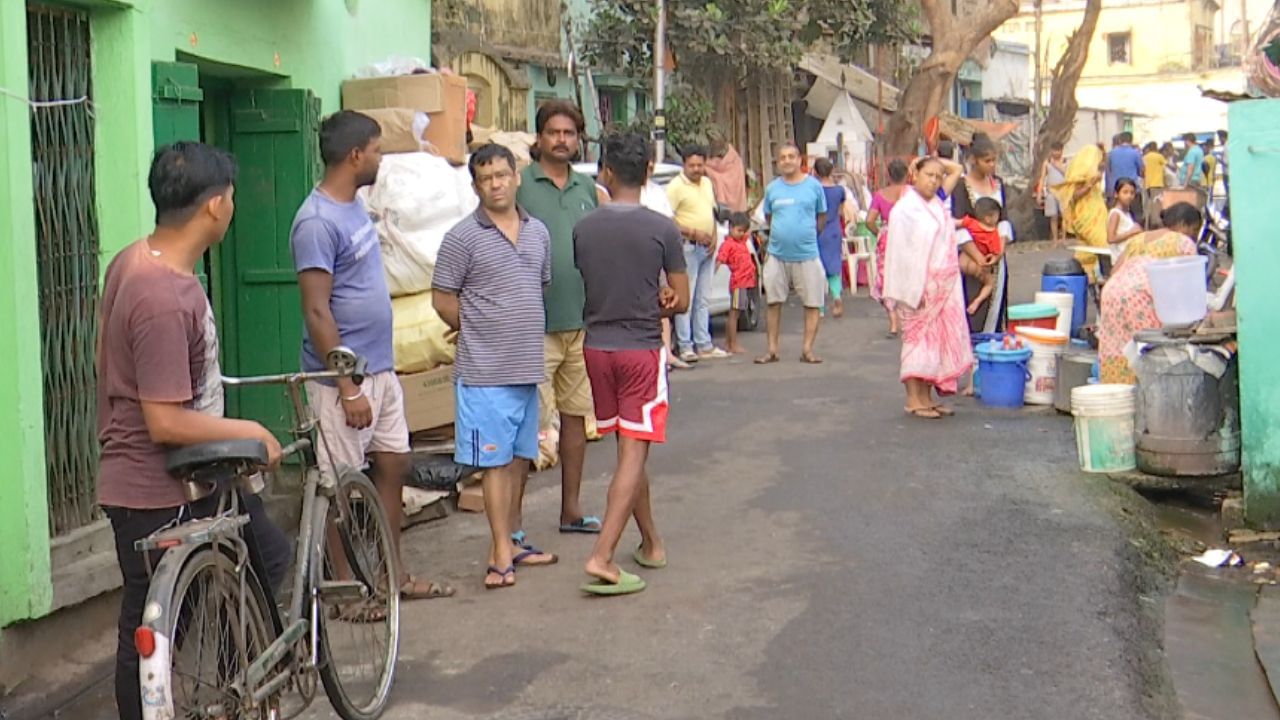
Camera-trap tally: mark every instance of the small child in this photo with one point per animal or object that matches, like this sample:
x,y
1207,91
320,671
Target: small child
x,y
735,254
984,227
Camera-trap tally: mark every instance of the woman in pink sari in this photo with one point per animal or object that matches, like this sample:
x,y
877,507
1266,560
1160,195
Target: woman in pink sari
x,y
923,281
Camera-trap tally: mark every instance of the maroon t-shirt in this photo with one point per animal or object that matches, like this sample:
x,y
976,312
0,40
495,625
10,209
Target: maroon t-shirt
x,y
156,342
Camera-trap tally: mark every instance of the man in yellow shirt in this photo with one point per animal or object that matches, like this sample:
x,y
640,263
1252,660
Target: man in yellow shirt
x,y
1153,174
694,203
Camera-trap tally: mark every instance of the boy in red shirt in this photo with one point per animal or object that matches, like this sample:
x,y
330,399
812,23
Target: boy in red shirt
x,y
742,274
983,227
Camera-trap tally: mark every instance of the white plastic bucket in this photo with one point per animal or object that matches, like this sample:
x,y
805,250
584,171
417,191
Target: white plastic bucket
x,y
1065,302
1046,347
1104,427
1179,288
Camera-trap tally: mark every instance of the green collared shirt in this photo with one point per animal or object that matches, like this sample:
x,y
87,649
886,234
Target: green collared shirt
x,y
559,209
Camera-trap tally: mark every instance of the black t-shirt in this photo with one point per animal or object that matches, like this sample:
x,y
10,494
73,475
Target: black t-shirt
x,y
620,249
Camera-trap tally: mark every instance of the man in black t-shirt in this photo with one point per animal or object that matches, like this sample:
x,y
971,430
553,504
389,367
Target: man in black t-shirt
x,y
620,249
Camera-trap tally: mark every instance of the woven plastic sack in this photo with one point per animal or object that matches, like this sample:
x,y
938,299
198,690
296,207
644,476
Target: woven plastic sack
x,y
421,340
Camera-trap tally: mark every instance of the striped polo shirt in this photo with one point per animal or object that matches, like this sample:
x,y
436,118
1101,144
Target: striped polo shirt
x,y
499,285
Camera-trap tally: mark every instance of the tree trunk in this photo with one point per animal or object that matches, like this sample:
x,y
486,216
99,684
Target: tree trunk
x,y
1061,120
926,94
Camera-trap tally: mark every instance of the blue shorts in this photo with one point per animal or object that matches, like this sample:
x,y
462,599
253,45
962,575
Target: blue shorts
x,y
495,424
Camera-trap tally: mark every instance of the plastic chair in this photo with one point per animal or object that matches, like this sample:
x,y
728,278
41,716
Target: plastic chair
x,y
860,251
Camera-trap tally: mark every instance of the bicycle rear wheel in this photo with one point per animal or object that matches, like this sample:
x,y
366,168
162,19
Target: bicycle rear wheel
x,y
210,652
360,636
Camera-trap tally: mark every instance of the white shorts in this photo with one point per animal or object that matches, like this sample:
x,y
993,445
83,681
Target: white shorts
x,y
806,278
389,432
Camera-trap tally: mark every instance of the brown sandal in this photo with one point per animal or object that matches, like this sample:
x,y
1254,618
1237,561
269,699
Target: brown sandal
x,y
810,359
944,411
926,413
409,590
766,359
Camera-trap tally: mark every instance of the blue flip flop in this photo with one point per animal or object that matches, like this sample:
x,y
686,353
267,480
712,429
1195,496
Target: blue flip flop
x,y
589,524
527,551
626,585
495,570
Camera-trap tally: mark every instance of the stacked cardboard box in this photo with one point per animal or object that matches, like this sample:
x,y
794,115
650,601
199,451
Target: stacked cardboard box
x,y
442,97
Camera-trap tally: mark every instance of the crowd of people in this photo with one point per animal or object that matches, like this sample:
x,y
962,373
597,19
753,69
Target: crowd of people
x,y
572,296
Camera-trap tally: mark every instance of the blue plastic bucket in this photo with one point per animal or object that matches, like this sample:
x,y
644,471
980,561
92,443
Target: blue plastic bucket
x,y
976,339
1004,374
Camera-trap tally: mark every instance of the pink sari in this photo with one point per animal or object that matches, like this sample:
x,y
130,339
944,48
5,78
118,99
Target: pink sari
x,y
922,279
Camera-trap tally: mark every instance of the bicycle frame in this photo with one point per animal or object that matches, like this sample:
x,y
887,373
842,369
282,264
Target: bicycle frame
x,y
260,679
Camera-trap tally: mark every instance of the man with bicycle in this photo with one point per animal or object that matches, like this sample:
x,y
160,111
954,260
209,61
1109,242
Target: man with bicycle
x,y
160,385
345,302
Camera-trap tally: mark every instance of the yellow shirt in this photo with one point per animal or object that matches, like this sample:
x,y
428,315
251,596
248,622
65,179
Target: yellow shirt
x,y
1153,170
1211,175
694,205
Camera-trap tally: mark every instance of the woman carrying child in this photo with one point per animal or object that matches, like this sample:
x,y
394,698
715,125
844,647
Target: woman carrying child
x,y
982,227
982,182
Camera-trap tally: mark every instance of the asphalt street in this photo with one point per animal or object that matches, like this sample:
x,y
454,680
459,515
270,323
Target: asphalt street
x,y
830,558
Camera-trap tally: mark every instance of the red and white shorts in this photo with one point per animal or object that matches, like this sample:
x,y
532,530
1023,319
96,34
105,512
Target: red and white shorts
x,y
629,388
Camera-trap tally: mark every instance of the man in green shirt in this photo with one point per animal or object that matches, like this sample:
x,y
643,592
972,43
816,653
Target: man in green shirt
x,y
552,192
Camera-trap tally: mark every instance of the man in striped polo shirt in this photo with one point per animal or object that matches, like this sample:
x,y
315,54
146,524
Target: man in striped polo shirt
x,y
490,272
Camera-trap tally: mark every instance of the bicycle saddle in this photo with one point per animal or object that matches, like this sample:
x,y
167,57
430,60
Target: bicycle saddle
x,y
215,458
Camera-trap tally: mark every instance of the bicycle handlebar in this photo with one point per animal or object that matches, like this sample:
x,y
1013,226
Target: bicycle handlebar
x,y
294,447
357,376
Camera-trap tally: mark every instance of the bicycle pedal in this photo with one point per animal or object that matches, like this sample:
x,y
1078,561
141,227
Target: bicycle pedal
x,y
338,591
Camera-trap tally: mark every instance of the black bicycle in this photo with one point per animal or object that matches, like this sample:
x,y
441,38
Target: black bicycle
x,y
214,643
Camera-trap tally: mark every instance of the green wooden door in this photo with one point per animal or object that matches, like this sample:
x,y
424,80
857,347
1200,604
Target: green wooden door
x,y
274,138
175,115
175,102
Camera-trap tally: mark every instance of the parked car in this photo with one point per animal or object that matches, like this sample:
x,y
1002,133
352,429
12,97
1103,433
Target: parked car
x,y
718,298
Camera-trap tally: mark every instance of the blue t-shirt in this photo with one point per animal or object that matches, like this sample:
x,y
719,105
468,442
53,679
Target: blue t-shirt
x,y
793,218
1124,161
1193,162
339,239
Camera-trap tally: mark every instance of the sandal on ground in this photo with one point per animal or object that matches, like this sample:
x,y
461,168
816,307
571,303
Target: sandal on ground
x,y
626,585
363,612
588,524
531,556
810,358
924,413
645,562
413,589
766,359
944,410
508,577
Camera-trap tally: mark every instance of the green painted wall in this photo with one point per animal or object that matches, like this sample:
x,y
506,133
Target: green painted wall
x,y
24,527
311,44
1254,152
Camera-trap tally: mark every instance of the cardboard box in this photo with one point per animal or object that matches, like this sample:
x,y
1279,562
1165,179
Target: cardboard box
x,y
442,97
416,92
429,400
471,499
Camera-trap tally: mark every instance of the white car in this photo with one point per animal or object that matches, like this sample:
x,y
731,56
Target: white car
x,y
718,298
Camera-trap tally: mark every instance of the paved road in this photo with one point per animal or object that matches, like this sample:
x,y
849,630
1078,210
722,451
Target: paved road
x,y
830,558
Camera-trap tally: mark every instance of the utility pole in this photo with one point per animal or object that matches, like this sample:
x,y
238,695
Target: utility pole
x,y
1035,115
659,83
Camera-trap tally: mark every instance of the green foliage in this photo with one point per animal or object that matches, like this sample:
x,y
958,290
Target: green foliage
x,y
740,36
689,114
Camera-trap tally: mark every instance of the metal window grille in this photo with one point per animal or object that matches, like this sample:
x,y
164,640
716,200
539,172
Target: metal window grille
x,y
67,250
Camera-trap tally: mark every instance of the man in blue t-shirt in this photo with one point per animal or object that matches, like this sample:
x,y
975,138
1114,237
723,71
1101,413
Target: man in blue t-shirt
x,y
345,302
794,208
1124,161
1191,172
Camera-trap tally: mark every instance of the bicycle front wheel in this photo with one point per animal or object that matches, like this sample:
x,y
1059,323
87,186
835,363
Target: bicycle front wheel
x,y
214,639
359,601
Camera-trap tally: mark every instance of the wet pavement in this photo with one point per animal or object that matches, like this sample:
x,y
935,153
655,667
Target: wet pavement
x,y
830,558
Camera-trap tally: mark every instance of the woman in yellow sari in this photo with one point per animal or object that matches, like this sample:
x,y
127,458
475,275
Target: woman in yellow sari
x,y
1084,211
